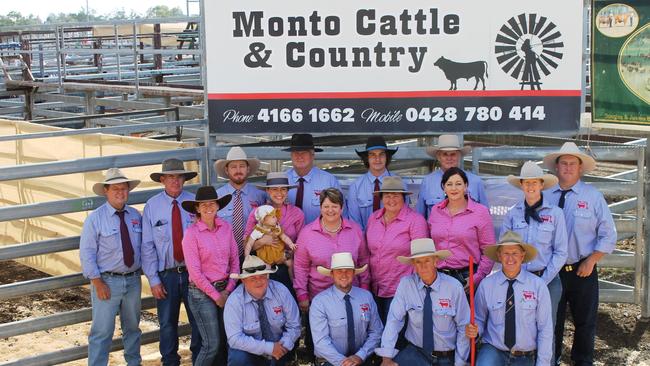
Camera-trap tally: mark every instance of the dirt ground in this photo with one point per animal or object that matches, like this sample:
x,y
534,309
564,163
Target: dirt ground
x,y
623,337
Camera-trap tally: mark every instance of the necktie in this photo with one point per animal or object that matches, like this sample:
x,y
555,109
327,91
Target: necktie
x,y
177,232
427,329
267,334
127,247
531,211
350,316
560,204
238,222
301,192
375,197
510,332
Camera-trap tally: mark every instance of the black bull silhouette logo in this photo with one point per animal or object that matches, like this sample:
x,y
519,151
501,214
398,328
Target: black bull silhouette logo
x,y
465,70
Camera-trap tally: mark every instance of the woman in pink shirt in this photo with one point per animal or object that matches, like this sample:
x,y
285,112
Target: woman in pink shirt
x,y
389,233
462,226
211,255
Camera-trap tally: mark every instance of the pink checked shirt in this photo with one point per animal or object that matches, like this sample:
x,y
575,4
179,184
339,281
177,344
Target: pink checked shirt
x,y
315,248
291,221
386,242
464,234
210,255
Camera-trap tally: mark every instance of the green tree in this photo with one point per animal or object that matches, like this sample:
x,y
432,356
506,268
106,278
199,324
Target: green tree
x,y
14,18
163,11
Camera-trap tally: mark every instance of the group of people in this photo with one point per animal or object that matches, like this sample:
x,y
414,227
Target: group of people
x,y
371,279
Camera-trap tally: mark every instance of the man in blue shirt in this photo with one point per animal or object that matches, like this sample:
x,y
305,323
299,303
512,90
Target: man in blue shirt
x,y
592,234
163,224
449,154
513,309
309,179
437,312
109,250
345,324
261,318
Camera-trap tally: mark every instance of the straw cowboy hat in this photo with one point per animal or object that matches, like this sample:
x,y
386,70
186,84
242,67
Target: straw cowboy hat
x,y
341,260
234,154
392,184
375,143
424,247
276,180
570,148
253,266
205,194
170,167
530,170
114,176
448,143
302,142
511,238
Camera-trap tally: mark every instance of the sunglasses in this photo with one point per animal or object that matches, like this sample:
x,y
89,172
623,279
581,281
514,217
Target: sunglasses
x,y
258,268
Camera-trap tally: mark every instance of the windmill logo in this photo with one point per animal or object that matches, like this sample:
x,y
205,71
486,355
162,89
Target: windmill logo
x,y
528,46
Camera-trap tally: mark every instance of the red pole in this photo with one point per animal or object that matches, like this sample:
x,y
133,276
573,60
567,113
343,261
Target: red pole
x,y
471,309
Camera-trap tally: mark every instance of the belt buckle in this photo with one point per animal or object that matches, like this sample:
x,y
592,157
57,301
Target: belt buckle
x,y
180,269
568,268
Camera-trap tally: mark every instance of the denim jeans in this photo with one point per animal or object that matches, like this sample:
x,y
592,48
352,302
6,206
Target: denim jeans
x,y
209,321
237,357
555,290
490,356
176,286
414,356
125,301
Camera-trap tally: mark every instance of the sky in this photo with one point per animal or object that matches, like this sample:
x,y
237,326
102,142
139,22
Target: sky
x,y
43,8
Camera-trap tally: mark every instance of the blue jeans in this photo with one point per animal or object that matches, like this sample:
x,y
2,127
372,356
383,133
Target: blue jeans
x,y
555,289
414,356
237,357
490,356
209,321
124,300
175,285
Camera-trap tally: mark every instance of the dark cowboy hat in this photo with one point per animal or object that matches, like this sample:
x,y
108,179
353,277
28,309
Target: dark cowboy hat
x,y
375,143
206,194
302,142
172,166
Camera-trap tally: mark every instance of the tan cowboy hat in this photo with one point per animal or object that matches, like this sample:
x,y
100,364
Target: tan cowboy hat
x,y
570,148
114,176
511,238
170,167
341,260
530,170
234,154
424,247
206,194
392,184
253,266
447,143
276,180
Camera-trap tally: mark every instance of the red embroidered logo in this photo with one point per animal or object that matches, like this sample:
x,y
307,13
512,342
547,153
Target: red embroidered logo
x,y
529,295
582,204
316,193
135,222
546,218
365,308
445,303
277,310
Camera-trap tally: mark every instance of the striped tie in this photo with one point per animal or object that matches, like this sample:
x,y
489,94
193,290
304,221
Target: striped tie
x,y
238,222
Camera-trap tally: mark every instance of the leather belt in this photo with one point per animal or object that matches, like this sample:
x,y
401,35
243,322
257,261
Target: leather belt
x,y
523,353
538,273
123,274
218,285
444,354
179,269
573,266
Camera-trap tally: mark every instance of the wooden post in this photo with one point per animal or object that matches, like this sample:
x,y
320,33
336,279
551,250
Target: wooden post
x,y
97,58
91,105
29,104
157,58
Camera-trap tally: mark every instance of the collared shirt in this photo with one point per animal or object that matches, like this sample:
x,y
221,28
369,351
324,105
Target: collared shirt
x,y
100,246
291,221
210,255
251,198
315,248
329,324
465,234
450,316
157,243
533,319
315,181
242,323
589,222
386,242
548,236
360,197
431,192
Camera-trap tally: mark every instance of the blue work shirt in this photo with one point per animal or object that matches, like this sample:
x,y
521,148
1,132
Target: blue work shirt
x,y
251,198
450,316
315,181
157,243
589,222
532,314
432,193
548,236
100,246
242,323
329,324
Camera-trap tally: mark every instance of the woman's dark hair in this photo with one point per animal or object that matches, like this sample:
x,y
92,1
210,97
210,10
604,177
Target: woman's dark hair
x,y
333,194
451,172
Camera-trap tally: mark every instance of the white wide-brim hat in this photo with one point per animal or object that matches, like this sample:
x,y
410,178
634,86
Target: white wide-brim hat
x,y
510,238
114,176
341,260
424,247
253,266
570,148
448,143
530,170
234,154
